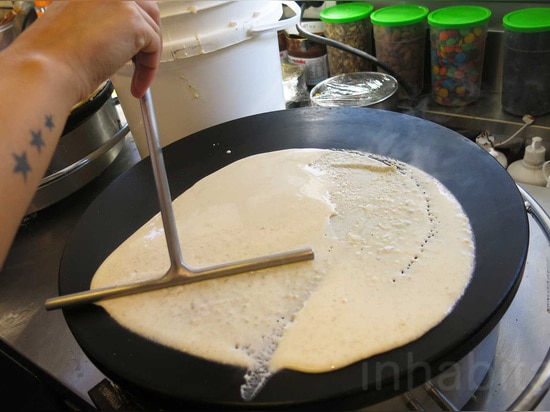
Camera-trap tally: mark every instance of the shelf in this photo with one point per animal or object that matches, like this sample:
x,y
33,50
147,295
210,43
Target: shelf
x,y
484,114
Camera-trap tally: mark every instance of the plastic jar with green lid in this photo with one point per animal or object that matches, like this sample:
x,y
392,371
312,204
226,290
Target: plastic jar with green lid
x,y
399,40
526,62
457,37
348,23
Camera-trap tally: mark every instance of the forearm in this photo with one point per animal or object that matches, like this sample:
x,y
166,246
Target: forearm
x,y
34,106
52,65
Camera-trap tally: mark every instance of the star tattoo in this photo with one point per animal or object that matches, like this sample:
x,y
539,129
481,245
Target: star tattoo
x,y
21,165
49,122
37,140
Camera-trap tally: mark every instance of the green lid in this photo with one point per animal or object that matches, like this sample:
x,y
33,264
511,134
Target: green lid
x,y
457,17
346,12
399,15
528,20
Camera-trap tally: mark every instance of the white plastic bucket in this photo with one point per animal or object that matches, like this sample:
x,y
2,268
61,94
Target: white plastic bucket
x,y
220,62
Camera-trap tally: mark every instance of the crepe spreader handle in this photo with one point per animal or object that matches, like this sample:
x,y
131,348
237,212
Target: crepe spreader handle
x,y
178,273
170,279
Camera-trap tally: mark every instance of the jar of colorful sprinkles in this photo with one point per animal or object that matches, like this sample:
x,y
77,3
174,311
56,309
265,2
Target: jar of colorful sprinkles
x,y
457,36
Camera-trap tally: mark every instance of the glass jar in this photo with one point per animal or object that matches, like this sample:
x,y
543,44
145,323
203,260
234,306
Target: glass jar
x,y
348,23
526,62
312,56
457,37
399,41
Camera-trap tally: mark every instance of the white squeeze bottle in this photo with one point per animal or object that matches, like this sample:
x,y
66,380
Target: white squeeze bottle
x,y
529,169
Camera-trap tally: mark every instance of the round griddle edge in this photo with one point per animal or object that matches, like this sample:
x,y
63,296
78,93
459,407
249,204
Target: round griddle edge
x,y
486,192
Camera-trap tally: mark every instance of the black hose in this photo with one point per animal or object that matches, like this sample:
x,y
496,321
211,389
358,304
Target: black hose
x,y
347,48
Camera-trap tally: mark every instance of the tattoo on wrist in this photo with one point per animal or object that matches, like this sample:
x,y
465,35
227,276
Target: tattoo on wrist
x,y
21,165
49,122
21,161
37,140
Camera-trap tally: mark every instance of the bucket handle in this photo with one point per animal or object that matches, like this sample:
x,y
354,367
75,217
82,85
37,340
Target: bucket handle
x,y
281,24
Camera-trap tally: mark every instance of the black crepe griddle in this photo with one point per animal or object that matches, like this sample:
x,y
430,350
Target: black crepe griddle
x,y
168,378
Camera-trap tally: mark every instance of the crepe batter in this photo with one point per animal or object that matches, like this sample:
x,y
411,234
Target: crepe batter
x,y
393,253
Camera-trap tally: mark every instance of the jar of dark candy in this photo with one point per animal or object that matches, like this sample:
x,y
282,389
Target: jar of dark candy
x,y
526,62
457,36
399,39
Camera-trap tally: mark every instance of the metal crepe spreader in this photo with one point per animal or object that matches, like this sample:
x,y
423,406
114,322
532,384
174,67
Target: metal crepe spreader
x,y
178,273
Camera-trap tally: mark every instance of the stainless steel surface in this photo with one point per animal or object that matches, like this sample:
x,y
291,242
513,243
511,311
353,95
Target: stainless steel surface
x,y
451,389
525,328
485,114
537,210
440,397
538,387
91,124
7,34
81,155
96,154
161,184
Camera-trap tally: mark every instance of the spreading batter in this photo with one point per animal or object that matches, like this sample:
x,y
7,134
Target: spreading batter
x,y
393,253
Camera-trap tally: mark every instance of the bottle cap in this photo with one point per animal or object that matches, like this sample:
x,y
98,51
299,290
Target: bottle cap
x,y
535,153
532,20
399,15
458,17
346,12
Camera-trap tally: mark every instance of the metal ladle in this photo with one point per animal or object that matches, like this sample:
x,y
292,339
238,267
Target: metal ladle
x,y
178,273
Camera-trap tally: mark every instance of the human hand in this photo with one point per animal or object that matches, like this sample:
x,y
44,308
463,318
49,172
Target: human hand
x,y
91,40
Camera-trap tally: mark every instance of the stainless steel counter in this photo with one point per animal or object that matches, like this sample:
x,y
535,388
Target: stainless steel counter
x,y
486,113
43,339
524,331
